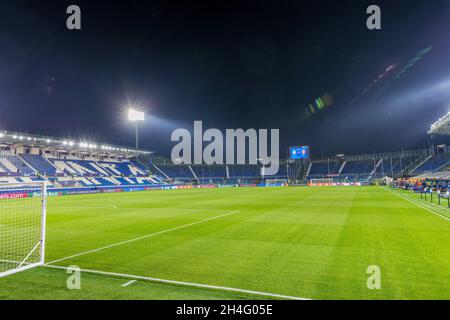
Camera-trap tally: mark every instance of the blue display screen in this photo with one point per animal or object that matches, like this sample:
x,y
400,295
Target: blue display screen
x,y
297,153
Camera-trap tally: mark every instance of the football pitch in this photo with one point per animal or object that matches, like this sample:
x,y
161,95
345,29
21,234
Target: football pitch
x,y
242,243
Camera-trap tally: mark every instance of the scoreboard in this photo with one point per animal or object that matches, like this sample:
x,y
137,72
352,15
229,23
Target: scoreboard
x,y
298,153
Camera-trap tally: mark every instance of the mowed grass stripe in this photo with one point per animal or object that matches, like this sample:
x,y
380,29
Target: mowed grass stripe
x,y
436,209
143,237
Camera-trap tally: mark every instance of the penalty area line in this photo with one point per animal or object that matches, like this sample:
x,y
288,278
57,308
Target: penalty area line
x,y
92,207
181,283
143,237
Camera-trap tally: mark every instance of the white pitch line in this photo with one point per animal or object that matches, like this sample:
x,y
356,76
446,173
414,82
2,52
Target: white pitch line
x,y
90,207
420,205
179,209
143,237
128,283
183,283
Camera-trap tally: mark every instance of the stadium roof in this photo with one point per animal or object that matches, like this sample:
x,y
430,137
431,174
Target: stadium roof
x,y
442,126
29,140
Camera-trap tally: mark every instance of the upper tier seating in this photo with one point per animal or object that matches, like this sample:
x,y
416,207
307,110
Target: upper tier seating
x,y
434,164
244,171
93,168
212,173
139,164
389,167
360,168
73,172
281,174
11,164
319,169
216,173
177,171
323,169
42,165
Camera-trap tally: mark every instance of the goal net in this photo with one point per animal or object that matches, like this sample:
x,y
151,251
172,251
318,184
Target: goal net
x,y
22,226
321,182
279,182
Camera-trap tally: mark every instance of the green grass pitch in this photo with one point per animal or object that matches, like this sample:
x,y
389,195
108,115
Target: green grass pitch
x,y
314,243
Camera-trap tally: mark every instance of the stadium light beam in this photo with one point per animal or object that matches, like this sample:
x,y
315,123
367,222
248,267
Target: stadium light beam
x,y
136,116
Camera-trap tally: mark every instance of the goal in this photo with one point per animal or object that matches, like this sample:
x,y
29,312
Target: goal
x,y
22,226
278,182
321,182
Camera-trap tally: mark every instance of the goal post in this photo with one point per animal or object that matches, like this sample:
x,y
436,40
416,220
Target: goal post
x,y
321,182
22,226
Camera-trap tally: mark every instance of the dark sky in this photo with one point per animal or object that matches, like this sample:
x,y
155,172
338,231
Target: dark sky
x,y
231,64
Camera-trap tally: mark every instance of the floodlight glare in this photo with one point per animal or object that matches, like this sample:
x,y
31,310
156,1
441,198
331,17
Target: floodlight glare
x,y
134,115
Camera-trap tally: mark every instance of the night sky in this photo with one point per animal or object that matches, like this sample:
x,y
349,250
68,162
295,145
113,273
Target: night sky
x,y
231,64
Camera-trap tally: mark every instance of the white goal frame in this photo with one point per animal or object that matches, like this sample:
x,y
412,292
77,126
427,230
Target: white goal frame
x,y
323,181
23,265
275,181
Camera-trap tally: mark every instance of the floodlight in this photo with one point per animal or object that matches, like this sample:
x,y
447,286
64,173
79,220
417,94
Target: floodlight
x,y
441,126
134,115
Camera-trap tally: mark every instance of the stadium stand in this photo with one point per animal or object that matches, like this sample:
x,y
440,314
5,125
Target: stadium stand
x,y
79,167
244,171
11,164
358,170
139,164
434,164
40,164
210,174
177,172
282,172
216,173
72,167
73,172
326,168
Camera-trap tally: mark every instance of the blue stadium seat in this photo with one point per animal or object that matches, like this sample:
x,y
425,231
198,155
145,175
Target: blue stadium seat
x,y
434,164
40,164
11,164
